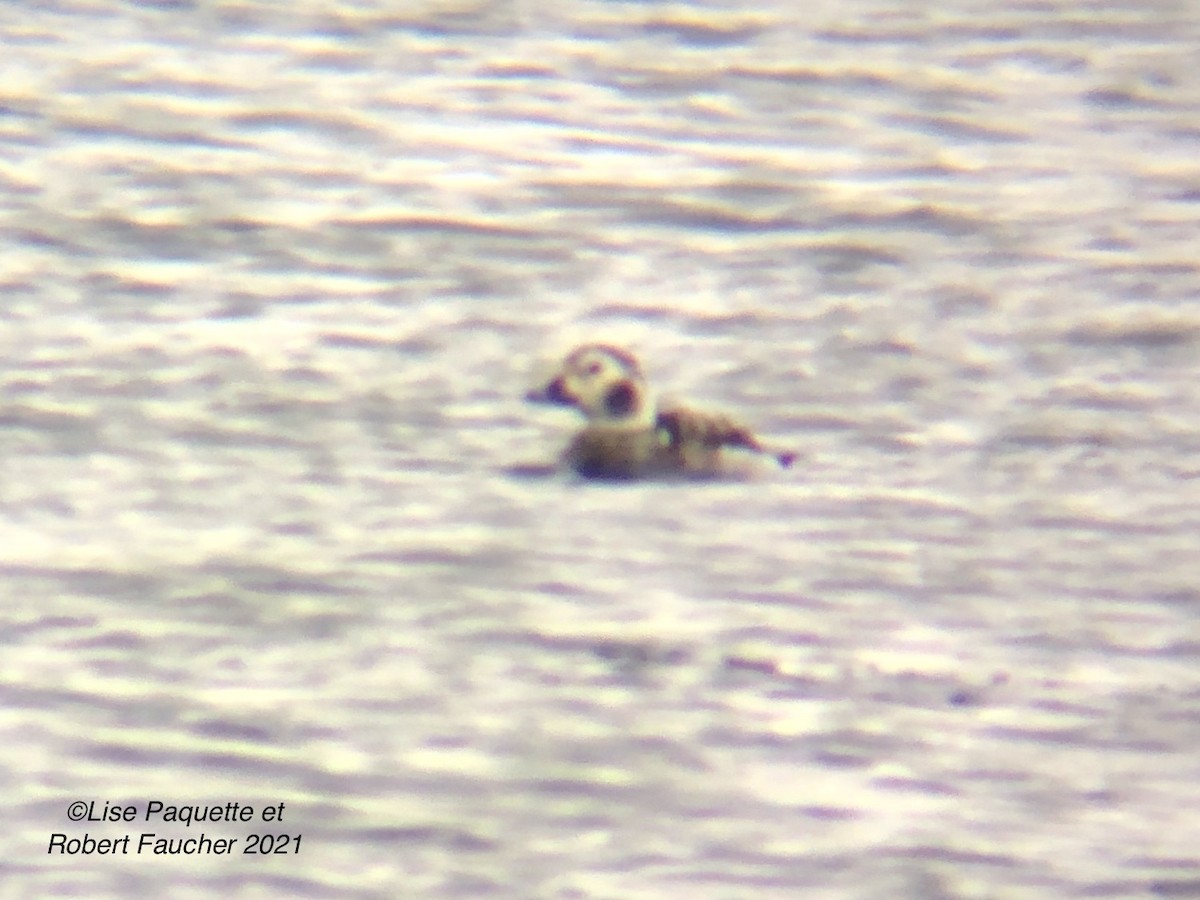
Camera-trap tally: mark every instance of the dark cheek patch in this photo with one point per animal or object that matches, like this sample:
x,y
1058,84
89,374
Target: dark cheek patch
x,y
621,400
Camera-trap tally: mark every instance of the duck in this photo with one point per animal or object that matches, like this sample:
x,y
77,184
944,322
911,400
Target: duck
x,y
627,434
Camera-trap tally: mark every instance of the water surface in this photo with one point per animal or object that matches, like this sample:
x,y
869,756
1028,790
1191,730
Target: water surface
x,y
275,279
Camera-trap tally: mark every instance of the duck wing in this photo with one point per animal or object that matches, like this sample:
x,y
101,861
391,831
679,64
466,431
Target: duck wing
x,y
679,428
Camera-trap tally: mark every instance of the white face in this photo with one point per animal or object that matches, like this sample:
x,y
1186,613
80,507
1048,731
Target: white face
x,y
604,383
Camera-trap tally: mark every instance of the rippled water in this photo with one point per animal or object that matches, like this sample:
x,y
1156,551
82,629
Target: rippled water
x,y
274,280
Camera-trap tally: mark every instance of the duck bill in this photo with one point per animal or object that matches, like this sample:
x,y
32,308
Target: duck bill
x,y
553,393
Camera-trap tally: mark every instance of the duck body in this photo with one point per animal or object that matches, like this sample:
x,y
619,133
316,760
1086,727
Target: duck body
x,y
627,435
618,454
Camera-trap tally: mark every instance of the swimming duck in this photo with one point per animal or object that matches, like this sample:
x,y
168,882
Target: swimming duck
x,y
627,434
